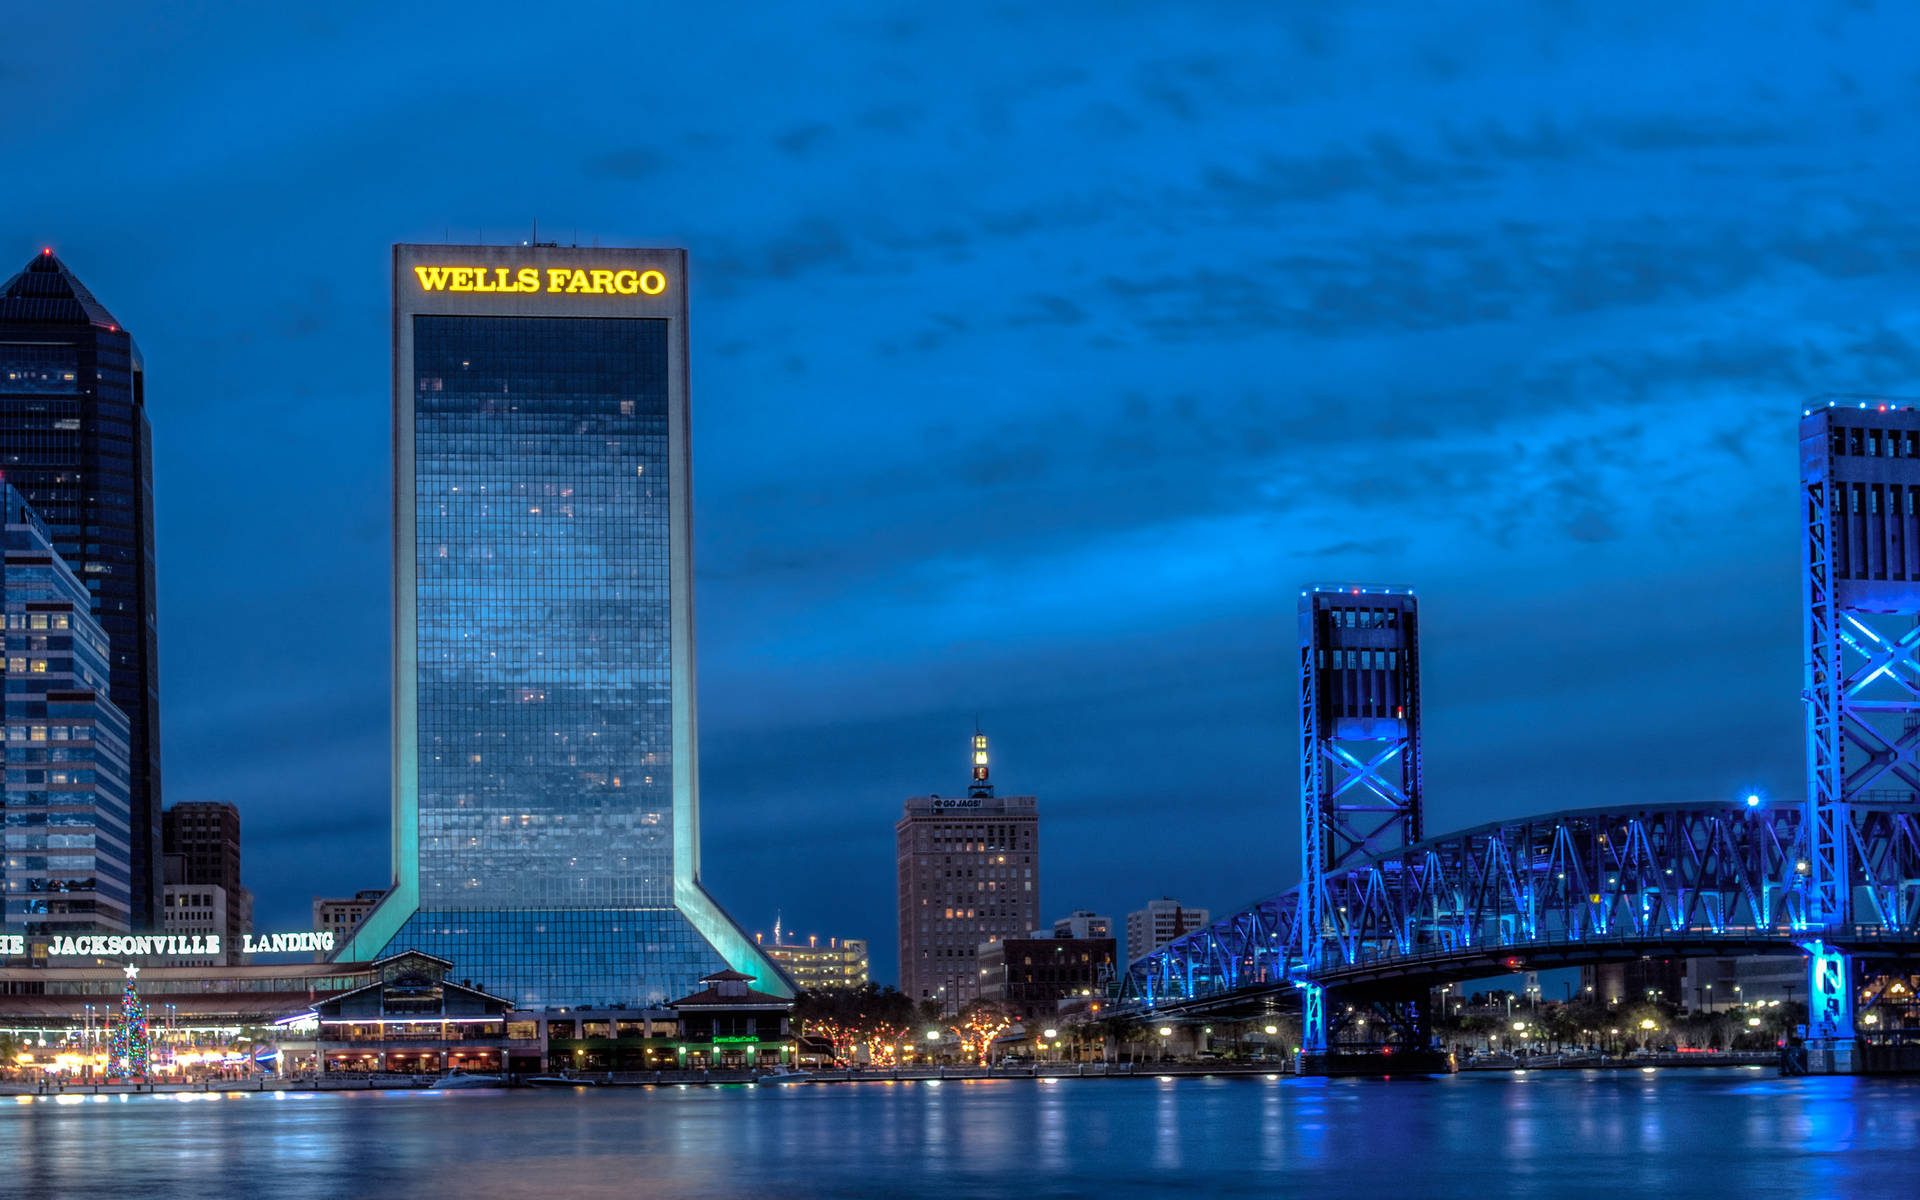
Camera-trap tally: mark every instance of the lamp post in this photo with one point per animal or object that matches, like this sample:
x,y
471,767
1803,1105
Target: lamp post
x,y
1049,1035
1166,1031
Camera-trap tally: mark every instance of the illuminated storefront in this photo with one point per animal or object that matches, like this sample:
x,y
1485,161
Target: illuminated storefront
x,y
411,1019
203,1021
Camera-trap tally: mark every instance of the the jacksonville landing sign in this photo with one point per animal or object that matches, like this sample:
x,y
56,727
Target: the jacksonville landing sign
x,y
139,945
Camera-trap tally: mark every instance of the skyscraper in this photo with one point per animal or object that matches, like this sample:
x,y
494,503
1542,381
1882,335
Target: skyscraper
x,y
65,868
74,440
546,784
969,871
203,836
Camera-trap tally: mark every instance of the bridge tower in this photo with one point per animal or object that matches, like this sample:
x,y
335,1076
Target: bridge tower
x,y
1359,754
1860,587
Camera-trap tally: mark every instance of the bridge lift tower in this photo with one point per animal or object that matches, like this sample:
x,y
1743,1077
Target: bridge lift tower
x,y
1860,587
1359,758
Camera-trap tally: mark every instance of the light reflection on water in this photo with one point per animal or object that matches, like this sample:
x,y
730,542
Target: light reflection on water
x,y
1600,1134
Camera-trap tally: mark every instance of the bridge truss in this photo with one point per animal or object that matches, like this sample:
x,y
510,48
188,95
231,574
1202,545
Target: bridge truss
x,y
1563,889
1835,878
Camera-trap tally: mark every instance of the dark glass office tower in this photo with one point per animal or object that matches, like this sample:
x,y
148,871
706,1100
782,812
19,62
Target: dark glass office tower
x,y
546,796
74,441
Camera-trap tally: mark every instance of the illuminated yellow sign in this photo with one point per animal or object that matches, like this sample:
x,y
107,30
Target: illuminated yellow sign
x,y
553,281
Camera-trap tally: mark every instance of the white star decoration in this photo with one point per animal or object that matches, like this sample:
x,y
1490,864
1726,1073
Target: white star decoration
x,y
132,970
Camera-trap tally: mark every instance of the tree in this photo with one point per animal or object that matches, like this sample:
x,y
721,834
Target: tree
x,y
127,1058
978,1024
872,1016
1561,1023
1113,1032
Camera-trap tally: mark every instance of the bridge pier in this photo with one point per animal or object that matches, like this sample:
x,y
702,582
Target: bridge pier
x,y
1832,1034
1395,1037
1313,1020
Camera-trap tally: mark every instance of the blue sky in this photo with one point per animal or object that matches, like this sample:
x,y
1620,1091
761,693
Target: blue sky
x,y
1040,354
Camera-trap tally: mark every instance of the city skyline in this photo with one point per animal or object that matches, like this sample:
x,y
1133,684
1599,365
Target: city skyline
x,y
1559,406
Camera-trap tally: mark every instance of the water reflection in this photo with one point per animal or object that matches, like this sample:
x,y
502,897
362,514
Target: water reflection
x,y
1561,1134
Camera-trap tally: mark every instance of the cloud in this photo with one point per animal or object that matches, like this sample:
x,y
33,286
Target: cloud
x,y
802,140
628,165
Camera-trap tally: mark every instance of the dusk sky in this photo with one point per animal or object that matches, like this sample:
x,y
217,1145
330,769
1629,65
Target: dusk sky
x,y
1040,354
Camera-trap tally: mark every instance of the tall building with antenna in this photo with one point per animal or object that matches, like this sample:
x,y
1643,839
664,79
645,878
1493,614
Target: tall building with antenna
x,y
969,871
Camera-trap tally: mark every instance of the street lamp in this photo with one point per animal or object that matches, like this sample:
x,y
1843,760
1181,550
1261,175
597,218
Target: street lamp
x,y
1166,1031
1049,1035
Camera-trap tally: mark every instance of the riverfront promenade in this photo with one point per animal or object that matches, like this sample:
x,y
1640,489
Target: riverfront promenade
x,y
1143,1070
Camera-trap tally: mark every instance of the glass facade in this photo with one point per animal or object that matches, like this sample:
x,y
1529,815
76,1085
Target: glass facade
x,y
65,869
544,632
543,826
75,442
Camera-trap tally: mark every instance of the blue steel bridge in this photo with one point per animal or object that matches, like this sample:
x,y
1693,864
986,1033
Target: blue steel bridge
x,y
1382,913
1562,889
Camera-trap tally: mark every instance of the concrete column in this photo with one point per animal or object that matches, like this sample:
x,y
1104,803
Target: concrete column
x,y
1831,1034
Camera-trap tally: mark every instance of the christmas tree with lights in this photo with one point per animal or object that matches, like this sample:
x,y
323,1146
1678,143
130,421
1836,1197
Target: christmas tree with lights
x,y
127,1047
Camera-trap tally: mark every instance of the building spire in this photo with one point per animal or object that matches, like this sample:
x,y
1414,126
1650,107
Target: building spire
x,y
980,786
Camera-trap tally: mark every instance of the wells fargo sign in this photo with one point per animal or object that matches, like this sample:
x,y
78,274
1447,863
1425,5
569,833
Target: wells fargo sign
x,y
550,281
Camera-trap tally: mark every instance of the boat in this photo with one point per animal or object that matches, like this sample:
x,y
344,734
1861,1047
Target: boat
x,y
460,1079
555,1081
785,1077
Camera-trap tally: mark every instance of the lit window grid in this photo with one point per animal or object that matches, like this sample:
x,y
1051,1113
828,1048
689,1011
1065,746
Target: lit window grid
x,y
67,840
544,661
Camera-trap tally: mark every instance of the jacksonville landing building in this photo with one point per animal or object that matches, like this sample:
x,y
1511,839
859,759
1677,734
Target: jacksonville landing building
x,y
546,802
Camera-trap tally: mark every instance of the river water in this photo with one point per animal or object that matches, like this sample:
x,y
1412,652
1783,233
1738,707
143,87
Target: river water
x,y
1691,1134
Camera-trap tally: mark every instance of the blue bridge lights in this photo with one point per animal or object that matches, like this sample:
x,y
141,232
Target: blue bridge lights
x,y
1384,910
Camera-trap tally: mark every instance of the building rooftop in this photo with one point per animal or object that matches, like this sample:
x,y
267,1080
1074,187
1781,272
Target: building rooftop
x,y
45,292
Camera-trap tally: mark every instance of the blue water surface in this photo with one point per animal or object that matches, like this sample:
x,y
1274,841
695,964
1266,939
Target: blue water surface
x,y
1696,1133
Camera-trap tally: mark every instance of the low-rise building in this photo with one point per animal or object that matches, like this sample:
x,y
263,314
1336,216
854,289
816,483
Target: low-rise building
x,y
1031,977
730,1024
1160,922
187,909
841,963
1709,984
1081,923
605,1039
340,916
411,1018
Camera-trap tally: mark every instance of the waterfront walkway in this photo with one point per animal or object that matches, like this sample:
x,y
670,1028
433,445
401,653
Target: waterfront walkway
x,y
628,1079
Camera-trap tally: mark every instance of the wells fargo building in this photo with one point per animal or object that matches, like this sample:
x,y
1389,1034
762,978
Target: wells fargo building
x,y
545,788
